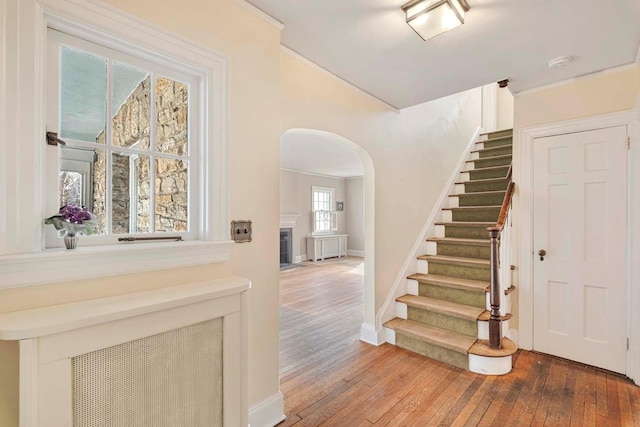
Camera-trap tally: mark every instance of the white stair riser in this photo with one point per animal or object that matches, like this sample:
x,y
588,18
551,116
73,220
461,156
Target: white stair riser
x,y
390,336
423,267
439,231
464,176
432,248
459,189
413,287
447,216
470,166
454,202
401,310
483,329
490,365
474,156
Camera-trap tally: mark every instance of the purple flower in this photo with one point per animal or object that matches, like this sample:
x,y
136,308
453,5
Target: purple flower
x,y
74,214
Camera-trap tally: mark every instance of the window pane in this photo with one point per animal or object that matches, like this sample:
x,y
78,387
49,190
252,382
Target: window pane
x,y
130,193
171,198
130,106
83,95
172,101
70,188
99,190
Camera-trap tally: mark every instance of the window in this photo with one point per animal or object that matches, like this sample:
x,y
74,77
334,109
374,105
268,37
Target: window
x,y
31,170
324,219
132,151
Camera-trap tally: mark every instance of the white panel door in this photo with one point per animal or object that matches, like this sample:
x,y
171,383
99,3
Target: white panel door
x,y
580,220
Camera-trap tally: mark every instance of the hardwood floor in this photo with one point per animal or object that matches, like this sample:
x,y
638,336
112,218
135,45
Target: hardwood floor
x,y
330,378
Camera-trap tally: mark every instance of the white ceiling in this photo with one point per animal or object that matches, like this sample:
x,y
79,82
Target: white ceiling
x,y
368,43
318,152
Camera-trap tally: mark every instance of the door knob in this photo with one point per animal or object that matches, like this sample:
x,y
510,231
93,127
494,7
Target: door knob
x,y
542,253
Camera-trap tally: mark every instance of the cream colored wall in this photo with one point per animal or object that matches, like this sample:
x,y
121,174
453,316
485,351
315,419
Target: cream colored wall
x,y
413,152
504,109
606,92
354,207
295,197
253,48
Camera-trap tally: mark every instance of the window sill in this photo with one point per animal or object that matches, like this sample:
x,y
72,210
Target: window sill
x,y
57,265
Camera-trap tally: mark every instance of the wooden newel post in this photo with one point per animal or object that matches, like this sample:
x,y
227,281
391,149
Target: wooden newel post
x,y
495,324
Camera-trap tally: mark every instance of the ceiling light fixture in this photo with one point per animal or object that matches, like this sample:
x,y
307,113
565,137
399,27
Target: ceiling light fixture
x,y
429,18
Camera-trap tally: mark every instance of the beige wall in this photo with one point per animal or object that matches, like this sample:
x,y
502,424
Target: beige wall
x,y
606,92
504,109
413,152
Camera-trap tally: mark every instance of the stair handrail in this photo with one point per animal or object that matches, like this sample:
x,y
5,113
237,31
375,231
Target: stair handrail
x,y
495,291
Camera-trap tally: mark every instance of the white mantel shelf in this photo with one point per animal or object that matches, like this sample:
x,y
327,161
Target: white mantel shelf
x,y
55,319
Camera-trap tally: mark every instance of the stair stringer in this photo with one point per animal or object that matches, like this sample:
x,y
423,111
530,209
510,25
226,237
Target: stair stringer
x,y
400,285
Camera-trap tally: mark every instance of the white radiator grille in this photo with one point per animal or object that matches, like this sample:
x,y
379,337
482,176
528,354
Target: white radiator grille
x,y
173,379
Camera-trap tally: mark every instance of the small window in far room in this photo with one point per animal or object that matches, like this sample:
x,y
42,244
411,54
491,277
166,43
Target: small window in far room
x,y
323,216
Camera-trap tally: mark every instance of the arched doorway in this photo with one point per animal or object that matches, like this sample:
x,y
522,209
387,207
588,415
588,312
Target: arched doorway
x,y
326,153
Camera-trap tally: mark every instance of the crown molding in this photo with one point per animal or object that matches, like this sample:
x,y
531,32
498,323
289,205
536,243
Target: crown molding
x,y
259,13
335,77
575,79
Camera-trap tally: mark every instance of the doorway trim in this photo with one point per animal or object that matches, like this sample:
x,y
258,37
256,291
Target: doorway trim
x,y
524,196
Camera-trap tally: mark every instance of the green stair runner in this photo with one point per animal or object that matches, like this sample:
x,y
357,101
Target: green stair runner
x,y
442,319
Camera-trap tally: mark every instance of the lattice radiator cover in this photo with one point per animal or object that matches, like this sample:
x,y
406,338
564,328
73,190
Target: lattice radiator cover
x,y
173,379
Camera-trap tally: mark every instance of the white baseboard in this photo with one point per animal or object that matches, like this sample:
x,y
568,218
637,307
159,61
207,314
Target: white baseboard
x,y
298,259
369,334
353,252
267,413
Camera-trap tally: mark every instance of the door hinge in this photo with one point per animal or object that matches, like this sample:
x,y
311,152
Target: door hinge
x,y
628,143
627,344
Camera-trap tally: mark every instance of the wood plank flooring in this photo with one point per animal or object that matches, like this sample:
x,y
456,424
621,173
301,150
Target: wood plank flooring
x,y
330,378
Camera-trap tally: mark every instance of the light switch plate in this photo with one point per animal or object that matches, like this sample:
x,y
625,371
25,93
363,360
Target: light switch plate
x,y
241,231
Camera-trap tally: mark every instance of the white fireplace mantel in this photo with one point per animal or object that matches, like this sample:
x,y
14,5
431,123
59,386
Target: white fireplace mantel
x,y
288,220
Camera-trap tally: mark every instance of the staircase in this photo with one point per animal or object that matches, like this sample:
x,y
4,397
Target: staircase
x,y
445,315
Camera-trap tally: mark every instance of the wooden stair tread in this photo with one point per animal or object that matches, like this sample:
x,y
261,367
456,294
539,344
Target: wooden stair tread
x,y
466,224
489,168
481,348
448,308
441,337
461,241
479,193
499,147
474,207
445,259
484,181
451,282
502,156
494,139
486,315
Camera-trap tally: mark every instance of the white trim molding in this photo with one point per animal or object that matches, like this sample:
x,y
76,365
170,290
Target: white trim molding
x,y
260,14
399,288
371,335
356,253
288,220
23,35
523,174
267,413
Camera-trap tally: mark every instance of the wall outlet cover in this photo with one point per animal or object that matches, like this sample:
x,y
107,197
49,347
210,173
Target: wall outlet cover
x,y
241,231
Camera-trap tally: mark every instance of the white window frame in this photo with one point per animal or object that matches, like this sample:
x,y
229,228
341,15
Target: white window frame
x,y
23,28
56,40
330,213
